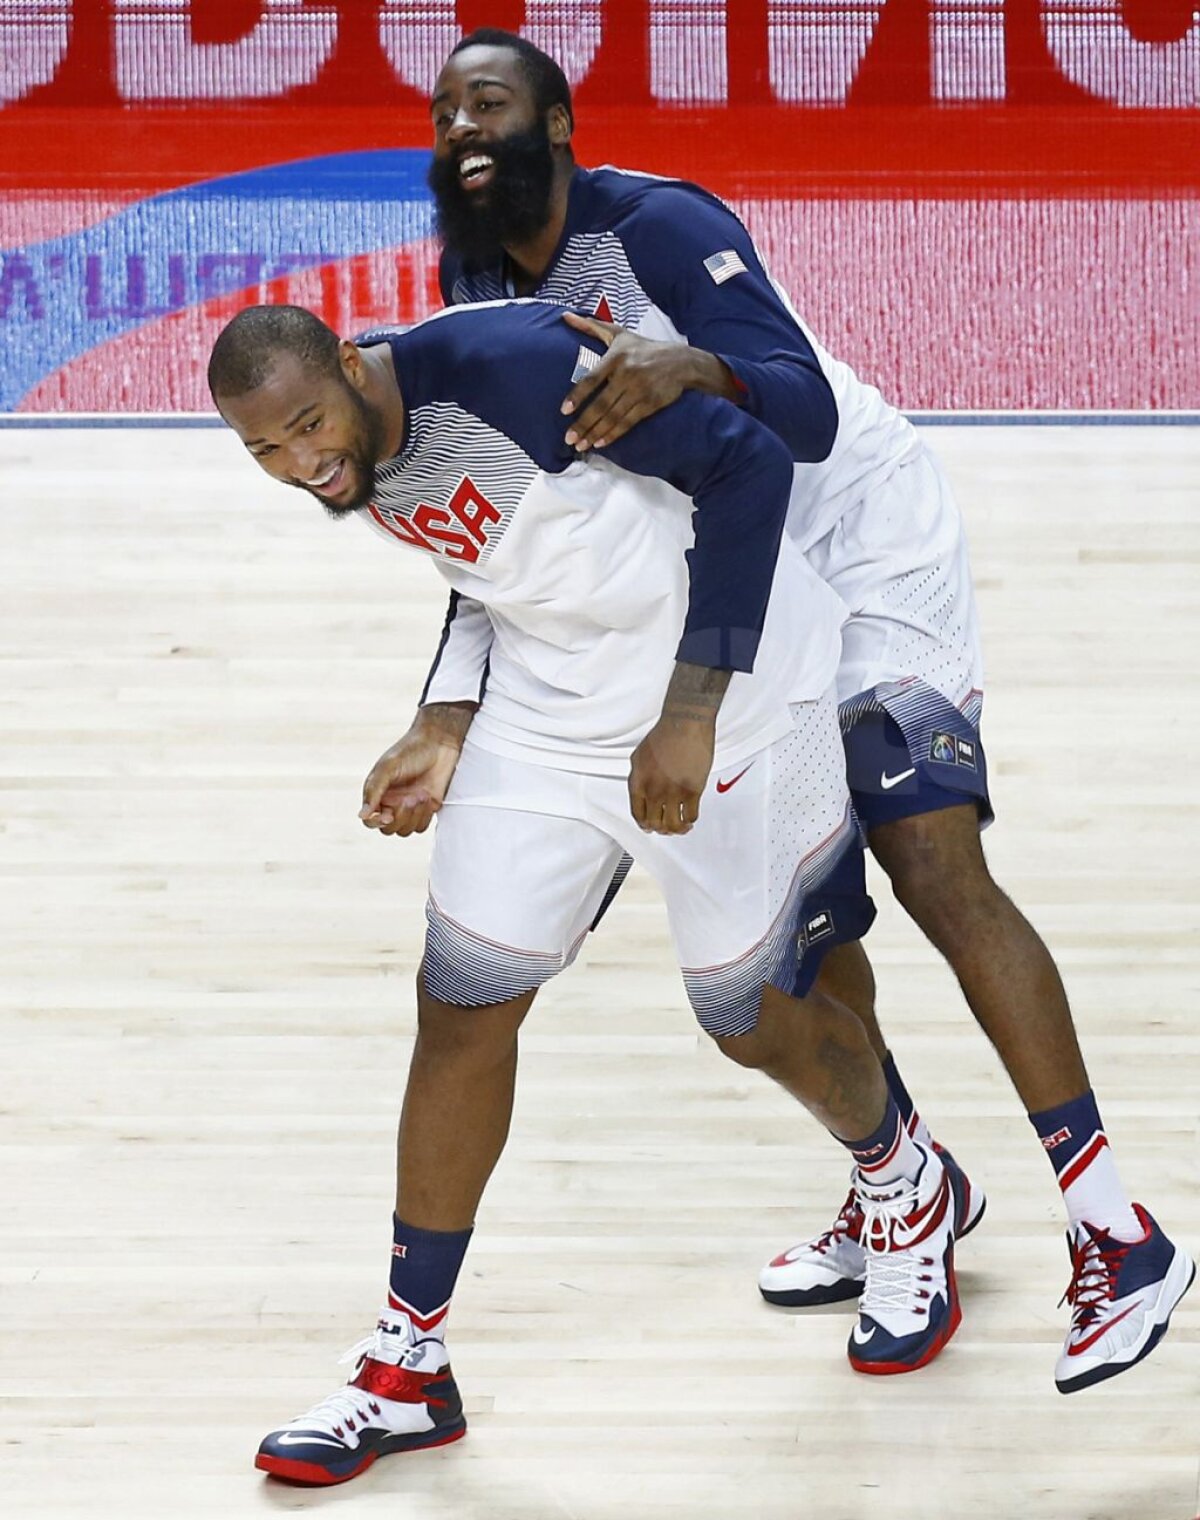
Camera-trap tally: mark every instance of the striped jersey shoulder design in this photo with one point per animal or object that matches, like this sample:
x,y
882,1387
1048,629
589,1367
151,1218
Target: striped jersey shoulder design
x,y
479,285
594,266
592,272
427,499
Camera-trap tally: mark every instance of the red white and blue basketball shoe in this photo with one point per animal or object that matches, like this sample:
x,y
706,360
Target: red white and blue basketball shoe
x,y
832,1266
1121,1295
402,1397
909,1307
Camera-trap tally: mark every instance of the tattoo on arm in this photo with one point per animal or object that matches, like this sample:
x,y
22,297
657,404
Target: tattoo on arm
x,y
695,693
448,720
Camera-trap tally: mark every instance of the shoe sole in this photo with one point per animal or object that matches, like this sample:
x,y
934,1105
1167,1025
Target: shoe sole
x,y
312,1475
892,1369
812,1298
851,1287
1181,1271
972,1219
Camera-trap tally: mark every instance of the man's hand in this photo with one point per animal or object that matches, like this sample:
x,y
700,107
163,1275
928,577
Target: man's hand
x,y
669,771
639,376
670,767
408,783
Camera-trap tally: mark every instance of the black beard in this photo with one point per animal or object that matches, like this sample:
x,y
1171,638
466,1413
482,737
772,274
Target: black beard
x,y
365,458
478,225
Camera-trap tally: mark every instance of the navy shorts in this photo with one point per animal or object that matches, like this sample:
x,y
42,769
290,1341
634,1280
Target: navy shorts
x,y
834,912
911,751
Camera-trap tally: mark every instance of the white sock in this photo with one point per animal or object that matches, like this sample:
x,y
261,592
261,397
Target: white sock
x,y
1093,1193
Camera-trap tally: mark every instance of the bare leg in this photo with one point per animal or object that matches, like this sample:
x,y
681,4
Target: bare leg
x,y
939,875
457,1109
819,1052
846,976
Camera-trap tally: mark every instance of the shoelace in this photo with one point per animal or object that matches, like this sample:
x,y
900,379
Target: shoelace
x,y
895,1282
894,1278
879,1214
370,1345
842,1228
1095,1264
349,1408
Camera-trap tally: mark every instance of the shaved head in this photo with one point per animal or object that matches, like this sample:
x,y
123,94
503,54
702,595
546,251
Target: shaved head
x,y
249,347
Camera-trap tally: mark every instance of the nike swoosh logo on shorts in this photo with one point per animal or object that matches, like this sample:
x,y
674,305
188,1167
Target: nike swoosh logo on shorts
x,y
723,786
888,782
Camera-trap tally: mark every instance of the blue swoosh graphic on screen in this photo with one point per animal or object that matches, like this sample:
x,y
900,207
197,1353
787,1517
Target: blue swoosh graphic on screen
x,y
67,295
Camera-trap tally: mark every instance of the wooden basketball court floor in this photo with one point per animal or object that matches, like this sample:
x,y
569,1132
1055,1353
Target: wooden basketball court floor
x,y
207,1016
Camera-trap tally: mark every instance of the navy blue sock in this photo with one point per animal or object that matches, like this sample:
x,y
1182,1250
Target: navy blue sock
x,y
897,1088
887,1153
913,1122
425,1267
1074,1139
1069,1130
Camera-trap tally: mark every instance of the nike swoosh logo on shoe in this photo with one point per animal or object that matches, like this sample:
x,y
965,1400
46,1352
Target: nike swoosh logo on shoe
x,y
858,1337
290,1438
906,1234
1102,1331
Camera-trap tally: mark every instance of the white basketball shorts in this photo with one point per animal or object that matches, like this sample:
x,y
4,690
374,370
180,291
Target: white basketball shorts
x,y
769,878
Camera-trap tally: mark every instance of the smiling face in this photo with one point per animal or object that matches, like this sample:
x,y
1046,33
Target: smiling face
x,y
494,154
313,429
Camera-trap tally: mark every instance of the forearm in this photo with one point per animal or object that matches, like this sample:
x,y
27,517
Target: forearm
x,y
786,392
447,722
695,693
789,395
705,372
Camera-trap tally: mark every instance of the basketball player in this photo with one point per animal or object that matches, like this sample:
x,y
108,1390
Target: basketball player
x,y
646,693
877,521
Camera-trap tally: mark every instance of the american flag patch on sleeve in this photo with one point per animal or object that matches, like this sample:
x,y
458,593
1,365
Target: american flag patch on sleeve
x,y
586,361
723,266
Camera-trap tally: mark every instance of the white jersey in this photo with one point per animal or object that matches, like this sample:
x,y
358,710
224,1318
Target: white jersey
x,y
581,582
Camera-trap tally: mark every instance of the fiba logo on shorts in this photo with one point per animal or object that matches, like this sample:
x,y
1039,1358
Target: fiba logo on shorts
x,y
819,926
949,749
941,748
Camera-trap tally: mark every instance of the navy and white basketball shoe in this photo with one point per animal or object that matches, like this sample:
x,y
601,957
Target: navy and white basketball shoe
x,y
1121,1295
402,1397
909,1307
832,1266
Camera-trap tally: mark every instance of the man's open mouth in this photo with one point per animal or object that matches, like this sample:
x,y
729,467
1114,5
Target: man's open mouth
x,y
475,169
330,481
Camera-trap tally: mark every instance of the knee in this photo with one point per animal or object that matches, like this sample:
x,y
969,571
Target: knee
x,y
783,1027
746,1050
452,1031
950,898
733,1021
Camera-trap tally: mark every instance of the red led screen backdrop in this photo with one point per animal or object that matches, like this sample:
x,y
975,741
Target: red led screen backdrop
x,y
980,203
